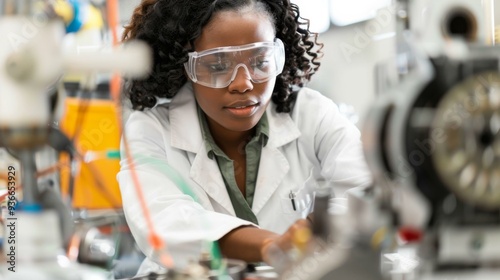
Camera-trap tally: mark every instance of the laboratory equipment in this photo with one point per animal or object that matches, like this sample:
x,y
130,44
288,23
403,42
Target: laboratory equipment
x,y
32,60
96,137
432,140
234,269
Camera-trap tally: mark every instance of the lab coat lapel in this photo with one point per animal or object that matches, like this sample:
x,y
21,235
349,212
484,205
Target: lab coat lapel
x,y
205,172
184,124
272,169
273,165
186,135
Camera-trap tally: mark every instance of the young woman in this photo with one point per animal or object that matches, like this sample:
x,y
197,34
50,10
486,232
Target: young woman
x,y
226,107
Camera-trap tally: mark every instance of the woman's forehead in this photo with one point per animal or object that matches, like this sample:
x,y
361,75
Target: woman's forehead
x,y
232,28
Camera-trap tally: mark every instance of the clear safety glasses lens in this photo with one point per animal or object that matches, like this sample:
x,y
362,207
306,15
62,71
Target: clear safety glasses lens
x,y
217,68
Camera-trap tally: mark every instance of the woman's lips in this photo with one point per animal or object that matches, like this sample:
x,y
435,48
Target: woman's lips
x,y
242,110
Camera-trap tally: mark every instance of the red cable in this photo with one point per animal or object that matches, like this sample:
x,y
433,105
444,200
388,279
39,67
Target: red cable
x,y
115,87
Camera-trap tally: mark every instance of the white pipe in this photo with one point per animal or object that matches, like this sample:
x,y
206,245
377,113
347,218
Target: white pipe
x,y
133,60
489,17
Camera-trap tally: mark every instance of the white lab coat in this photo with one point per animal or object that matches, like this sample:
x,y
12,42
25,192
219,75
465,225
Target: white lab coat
x,y
314,136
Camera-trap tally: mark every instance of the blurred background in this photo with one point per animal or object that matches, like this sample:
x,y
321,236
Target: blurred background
x,y
442,194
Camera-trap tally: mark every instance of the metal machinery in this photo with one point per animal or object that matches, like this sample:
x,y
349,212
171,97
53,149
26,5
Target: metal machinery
x,y
437,133
33,59
432,141
44,219
435,137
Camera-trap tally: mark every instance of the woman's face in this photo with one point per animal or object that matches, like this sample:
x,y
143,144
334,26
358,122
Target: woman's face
x,y
239,106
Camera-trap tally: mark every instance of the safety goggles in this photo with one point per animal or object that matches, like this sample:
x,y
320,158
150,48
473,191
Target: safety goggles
x,y
217,68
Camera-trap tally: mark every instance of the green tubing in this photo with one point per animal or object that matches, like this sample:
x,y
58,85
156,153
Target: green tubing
x,y
162,166
113,154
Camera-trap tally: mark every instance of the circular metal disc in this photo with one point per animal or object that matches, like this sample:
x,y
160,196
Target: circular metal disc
x,y
468,157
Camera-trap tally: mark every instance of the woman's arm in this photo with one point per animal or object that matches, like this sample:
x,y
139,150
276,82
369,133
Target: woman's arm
x,y
180,219
252,244
246,243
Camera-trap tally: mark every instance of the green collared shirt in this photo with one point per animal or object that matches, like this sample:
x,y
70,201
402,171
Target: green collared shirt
x,y
242,204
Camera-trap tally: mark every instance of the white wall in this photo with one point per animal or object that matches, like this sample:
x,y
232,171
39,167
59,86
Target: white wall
x,y
126,9
350,55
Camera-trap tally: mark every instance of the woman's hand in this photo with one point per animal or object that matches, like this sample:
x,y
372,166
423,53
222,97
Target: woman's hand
x,y
252,244
283,249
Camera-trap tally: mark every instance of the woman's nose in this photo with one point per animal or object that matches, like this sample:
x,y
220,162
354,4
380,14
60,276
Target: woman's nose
x,y
241,81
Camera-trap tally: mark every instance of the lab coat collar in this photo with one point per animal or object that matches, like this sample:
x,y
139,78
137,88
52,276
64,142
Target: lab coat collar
x,y
185,126
186,135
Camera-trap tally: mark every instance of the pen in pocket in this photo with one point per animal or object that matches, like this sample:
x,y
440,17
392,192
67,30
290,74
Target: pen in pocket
x,y
292,199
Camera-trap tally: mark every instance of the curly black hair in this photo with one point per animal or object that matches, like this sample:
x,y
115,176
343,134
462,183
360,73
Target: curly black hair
x,y
168,26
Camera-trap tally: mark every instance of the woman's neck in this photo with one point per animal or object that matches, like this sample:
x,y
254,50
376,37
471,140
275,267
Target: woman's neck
x,y
229,141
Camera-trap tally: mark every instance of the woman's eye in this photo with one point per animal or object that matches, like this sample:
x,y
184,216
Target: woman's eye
x,y
218,66
262,64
